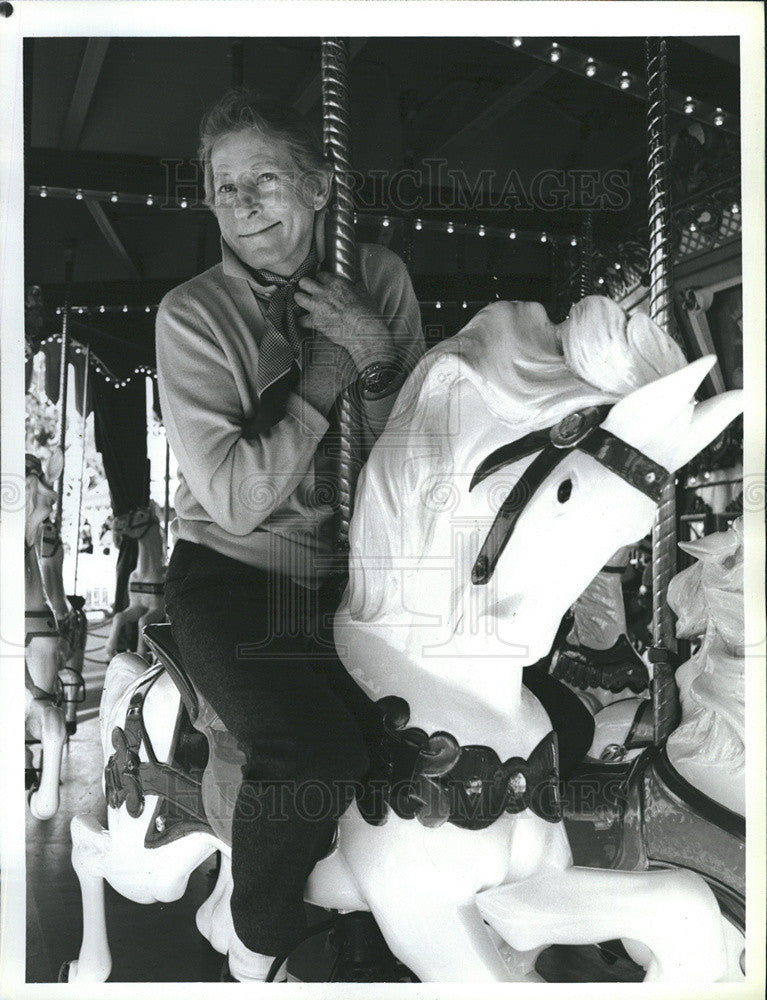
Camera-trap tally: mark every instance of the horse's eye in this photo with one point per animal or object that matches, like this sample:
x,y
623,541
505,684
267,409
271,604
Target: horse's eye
x,y
564,491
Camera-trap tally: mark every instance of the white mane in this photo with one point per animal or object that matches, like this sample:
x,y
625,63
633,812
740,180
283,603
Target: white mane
x,y
508,372
708,600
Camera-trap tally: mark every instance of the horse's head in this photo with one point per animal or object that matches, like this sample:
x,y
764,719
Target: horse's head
x,y
40,493
565,523
135,524
709,594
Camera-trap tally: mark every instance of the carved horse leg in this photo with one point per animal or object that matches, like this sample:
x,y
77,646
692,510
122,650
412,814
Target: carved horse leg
x,y
143,875
44,721
214,917
91,846
120,620
669,920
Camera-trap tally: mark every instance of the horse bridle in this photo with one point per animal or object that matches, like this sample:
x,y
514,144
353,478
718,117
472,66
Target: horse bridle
x,y
580,430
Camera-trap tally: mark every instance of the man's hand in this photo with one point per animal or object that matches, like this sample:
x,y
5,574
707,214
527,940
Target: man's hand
x,y
346,315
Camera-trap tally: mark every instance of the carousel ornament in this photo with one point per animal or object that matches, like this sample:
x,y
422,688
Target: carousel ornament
x,y
454,903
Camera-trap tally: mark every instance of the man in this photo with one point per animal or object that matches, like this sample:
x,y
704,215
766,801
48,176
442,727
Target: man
x,y
251,356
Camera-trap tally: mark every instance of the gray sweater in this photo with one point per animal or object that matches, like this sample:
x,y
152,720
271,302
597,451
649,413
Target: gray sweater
x,y
252,497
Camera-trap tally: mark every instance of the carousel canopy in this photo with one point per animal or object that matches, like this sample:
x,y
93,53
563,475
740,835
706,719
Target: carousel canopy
x,y
476,159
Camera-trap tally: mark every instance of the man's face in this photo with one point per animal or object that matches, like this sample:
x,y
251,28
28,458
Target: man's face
x,y
264,207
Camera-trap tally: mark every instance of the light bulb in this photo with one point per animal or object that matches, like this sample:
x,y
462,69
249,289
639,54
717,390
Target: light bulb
x,y
43,191
591,67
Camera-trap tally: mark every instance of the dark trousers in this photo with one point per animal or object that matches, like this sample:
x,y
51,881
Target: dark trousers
x,y
252,643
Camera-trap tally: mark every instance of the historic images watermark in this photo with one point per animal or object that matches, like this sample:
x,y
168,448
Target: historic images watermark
x,y
431,186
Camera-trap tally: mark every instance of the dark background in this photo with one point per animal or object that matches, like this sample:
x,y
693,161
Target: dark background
x,y
108,115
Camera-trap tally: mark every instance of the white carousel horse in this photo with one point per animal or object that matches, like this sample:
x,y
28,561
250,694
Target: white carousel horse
x,y
420,621
596,660
70,619
44,719
708,746
146,583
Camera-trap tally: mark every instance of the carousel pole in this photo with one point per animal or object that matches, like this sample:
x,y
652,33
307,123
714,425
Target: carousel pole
x,y
665,694
341,256
69,256
82,460
587,255
167,492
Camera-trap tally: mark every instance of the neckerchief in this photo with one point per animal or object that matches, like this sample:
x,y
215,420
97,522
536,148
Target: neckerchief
x,y
280,347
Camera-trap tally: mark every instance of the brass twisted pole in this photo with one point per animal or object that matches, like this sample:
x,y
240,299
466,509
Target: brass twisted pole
x,y
587,254
69,255
665,695
342,258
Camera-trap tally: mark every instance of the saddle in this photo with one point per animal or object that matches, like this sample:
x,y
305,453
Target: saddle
x,y
197,785
614,669
429,778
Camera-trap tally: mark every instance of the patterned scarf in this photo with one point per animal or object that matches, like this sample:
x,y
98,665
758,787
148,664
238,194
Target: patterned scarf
x,y
281,343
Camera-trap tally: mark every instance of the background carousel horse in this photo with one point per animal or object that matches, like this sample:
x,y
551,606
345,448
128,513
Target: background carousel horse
x,y
44,718
71,622
708,746
146,584
596,658
482,880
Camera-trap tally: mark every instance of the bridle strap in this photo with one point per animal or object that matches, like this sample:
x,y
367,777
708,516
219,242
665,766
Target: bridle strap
x,y
579,430
509,453
509,511
626,461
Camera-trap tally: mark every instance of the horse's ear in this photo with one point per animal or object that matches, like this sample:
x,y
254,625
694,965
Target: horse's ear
x,y
709,419
662,420
55,465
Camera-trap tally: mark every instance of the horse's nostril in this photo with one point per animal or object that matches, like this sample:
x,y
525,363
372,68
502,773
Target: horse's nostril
x,y
564,491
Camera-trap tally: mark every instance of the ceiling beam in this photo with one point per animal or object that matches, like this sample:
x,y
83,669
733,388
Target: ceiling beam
x,y
110,235
82,95
501,106
312,92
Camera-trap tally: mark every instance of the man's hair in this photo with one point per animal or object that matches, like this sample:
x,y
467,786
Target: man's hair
x,y
240,109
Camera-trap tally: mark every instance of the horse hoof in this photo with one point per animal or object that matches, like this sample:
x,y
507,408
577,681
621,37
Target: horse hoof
x,y
64,972
71,728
